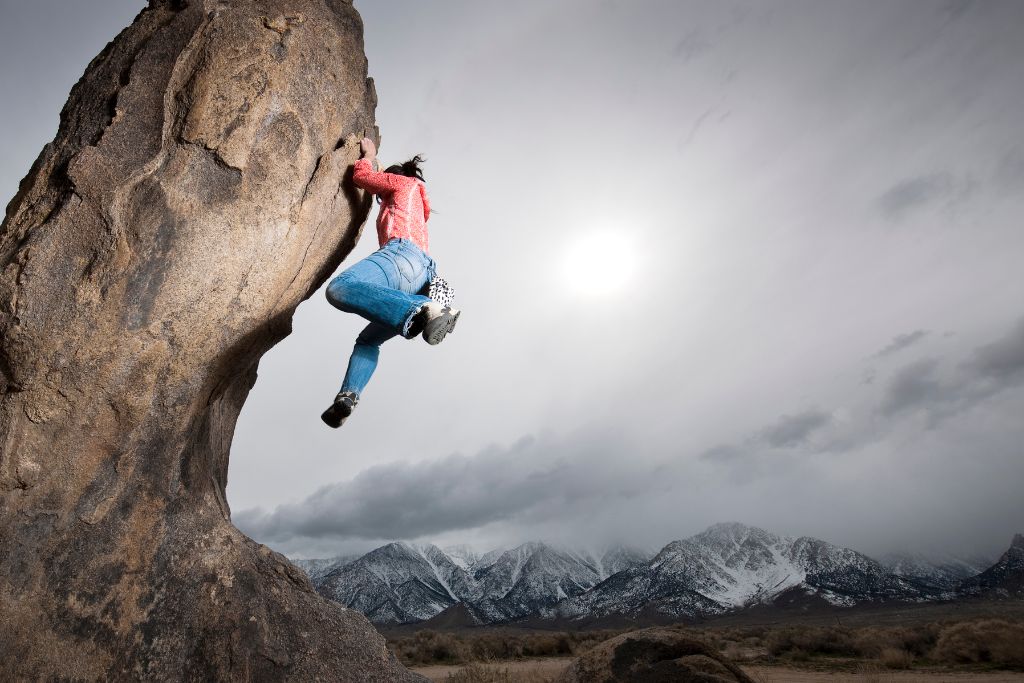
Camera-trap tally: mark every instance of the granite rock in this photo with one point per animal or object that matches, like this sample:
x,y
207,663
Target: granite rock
x,y
198,189
653,655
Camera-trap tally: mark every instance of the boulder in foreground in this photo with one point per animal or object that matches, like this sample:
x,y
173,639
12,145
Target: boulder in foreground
x,y
653,655
197,190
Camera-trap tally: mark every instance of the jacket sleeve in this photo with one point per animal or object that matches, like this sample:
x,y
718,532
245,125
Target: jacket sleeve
x,y
426,202
373,181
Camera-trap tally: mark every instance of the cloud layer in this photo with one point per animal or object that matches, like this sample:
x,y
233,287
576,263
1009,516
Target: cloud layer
x,y
577,486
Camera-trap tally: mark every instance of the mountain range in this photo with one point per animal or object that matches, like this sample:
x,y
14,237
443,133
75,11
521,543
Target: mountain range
x,y
726,568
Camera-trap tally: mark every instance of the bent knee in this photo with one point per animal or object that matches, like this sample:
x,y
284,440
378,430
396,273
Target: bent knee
x,y
368,345
338,292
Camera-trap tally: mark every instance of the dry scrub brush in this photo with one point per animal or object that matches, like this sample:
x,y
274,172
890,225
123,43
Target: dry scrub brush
x,y
478,673
991,641
432,647
987,643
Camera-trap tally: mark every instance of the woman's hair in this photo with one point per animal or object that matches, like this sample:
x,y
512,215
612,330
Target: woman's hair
x,y
409,168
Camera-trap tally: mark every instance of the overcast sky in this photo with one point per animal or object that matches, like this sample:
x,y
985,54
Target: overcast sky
x,y
812,318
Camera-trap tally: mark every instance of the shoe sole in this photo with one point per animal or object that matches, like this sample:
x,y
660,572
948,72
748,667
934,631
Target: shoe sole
x,y
335,416
438,334
332,419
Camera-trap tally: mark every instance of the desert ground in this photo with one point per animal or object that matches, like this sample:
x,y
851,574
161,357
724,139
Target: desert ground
x,y
956,642
543,670
532,670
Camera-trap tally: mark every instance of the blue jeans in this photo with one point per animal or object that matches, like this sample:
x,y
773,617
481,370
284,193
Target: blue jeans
x,y
383,288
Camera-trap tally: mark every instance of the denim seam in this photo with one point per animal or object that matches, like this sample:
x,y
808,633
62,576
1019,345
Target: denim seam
x,y
408,322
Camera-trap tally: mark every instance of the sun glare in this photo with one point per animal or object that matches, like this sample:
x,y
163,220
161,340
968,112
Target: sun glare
x,y
599,264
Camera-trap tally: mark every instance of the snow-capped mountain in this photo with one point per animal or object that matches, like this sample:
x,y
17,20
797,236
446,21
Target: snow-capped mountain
x,y
403,582
529,578
1004,579
462,555
730,566
725,568
846,577
397,583
617,558
942,572
317,569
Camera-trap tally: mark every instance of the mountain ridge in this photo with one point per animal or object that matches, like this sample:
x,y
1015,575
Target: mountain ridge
x,y
728,567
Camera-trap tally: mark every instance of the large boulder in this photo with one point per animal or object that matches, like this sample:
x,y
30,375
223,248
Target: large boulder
x,y
195,193
653,655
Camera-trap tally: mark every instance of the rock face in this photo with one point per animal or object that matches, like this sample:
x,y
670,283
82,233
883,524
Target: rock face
x,y
195,193
651,656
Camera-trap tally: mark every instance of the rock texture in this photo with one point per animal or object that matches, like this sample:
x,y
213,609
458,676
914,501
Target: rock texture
x,y
653,655
195,193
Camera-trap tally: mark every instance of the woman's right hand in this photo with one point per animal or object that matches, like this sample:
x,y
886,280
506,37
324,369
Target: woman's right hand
x,y
368,148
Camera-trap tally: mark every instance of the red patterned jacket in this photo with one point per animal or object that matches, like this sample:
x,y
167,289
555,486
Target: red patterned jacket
x,y
404,207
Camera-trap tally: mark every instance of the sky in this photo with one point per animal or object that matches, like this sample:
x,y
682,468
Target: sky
x,y
752,261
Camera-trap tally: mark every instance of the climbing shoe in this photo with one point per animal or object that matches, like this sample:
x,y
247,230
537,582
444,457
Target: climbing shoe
x,y
436,321
344,404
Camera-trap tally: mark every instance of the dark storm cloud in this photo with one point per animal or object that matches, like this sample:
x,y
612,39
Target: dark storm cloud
x,y
900,342
788,431
793,430
1002,361
782,438
924,385
724,453
408,500
916,385
938,388
912,194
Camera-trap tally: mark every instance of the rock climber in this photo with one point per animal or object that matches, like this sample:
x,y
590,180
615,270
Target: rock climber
x,y
390,286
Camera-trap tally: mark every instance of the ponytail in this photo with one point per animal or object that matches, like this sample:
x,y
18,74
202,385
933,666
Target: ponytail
x,y
410,168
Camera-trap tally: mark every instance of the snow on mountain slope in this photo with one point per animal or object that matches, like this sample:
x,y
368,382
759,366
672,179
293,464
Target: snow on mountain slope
x,y
740,564
943,572
498,572
617,558
528,578
404,582
318,568
1004,579
729,566
846,577
462,555
724,568
397,583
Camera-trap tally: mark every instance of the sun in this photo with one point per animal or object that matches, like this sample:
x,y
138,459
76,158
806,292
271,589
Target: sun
x,y
599,263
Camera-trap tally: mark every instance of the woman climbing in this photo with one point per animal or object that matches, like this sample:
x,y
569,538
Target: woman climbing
x,y
388,287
